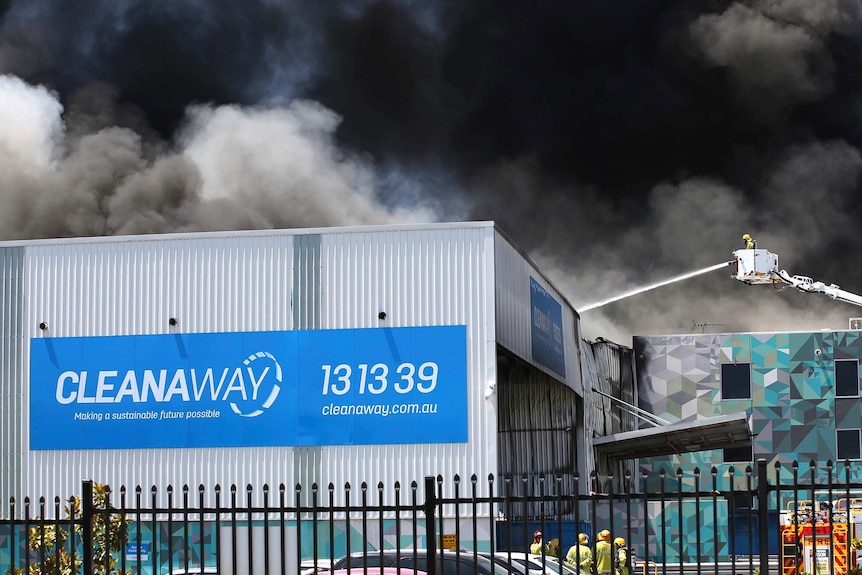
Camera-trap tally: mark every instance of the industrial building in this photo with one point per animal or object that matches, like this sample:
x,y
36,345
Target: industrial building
x,y
381,353
800,393
800,389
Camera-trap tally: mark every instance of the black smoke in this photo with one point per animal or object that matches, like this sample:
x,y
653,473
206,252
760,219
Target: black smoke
x,y
618,142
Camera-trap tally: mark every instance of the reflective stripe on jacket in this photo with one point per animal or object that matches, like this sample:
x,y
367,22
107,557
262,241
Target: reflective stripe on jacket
x,y
604,558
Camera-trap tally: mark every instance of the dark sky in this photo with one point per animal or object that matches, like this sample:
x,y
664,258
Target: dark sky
x,y
619,142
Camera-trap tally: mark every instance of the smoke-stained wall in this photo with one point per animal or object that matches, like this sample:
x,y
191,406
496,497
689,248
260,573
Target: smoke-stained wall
x,y
540,430
609,368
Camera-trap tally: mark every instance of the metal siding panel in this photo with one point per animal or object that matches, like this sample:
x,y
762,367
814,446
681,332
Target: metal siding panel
x,y
12,378
426,277
134,287
306,282
213,283
538,429
306,315
514,318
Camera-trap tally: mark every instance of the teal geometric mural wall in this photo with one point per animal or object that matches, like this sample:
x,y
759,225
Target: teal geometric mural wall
x,y
793,407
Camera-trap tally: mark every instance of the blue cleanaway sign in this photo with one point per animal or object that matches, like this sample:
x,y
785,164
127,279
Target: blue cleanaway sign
x,y
287,388
546,321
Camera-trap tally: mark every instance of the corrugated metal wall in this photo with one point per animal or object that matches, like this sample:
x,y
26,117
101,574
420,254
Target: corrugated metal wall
x,y
539,427
13,412
259,281
134,286
514,318
541,424
426,277
609,368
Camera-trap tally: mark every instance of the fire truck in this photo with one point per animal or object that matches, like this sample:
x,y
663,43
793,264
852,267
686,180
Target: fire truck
x,y
815,534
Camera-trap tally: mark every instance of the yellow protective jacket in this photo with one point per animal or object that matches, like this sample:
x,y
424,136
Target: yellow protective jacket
x,y
586,557
604,558
536,549
622,559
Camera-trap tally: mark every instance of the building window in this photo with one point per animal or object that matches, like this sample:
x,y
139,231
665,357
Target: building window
x,y
739,454
846,378
848,444
736,381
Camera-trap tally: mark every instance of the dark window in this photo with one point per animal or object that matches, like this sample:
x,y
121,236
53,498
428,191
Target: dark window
x,y
735,381
848,444
847,378
738,454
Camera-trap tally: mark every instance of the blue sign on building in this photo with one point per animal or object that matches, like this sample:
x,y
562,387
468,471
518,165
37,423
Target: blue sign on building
x,y
289,388
546,315
135,552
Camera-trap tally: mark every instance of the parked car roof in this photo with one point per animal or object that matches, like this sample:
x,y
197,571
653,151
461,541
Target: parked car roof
x,y
377,571
454,562
515,565
307,567
552,564
196,570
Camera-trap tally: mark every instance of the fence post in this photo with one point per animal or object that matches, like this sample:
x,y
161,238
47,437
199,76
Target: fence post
x,y
763,515
431,524
87,513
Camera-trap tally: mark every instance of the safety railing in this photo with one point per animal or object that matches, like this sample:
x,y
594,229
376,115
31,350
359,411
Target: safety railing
x,y
770,519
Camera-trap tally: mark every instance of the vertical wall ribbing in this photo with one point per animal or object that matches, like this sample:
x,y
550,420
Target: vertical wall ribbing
x,y
420,276
12,381
306,315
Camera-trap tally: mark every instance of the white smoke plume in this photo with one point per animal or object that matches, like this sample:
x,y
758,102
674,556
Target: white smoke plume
x,y
230,168
774,50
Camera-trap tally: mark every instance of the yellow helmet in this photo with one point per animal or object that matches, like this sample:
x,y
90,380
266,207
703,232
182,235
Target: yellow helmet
x,y
746,237
583,539
604,535
620,542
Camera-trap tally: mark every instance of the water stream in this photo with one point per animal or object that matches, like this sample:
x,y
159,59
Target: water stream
x,y
636,291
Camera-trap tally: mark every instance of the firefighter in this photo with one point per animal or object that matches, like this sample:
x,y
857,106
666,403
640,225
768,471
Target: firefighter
x,y
750,244
554,547
537,548
621,557
603,555
580,554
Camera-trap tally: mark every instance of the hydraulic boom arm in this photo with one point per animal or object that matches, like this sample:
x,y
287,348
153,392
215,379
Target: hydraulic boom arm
x,y
754,266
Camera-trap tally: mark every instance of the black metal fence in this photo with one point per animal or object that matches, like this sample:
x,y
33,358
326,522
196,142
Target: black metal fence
x,y
774,519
